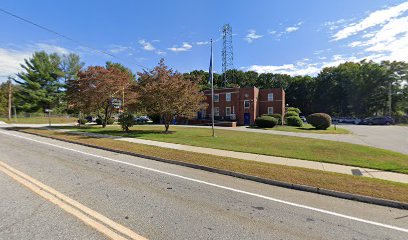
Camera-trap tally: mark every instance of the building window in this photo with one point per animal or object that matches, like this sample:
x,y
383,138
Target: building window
x,y
228,97
216,97
246,103
270,97
216,111
228,111
270,110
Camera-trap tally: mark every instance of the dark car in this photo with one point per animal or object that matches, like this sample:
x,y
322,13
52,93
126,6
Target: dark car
x,y
142,119
377,121
90,119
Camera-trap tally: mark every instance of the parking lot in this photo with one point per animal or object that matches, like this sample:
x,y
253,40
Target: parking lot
x,y
388,137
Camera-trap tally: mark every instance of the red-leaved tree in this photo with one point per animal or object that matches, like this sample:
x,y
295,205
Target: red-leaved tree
x,y
95,89
167,93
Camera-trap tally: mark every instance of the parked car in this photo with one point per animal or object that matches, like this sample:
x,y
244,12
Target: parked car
x,y
143,119
377,121
90,119
352,120
348,120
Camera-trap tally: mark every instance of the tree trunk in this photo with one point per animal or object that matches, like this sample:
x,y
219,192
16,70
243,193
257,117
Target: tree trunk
x,y
105,121
167,120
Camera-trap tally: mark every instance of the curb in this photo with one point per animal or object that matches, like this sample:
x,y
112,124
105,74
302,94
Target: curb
x,y
305,188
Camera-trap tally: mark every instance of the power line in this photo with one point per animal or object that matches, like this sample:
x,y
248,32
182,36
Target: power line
x,y
67,37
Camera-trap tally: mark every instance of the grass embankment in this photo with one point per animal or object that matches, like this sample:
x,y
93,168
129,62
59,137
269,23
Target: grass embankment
x,y
307,128
269,144
334,181
39,120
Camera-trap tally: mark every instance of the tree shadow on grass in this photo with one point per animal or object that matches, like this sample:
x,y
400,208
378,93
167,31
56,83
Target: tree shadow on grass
x,y
135,133
307,129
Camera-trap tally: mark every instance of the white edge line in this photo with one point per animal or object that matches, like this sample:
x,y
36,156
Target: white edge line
x,y
220,186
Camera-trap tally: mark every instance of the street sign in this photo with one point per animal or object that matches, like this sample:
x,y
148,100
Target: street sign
x,y
47,110
116,102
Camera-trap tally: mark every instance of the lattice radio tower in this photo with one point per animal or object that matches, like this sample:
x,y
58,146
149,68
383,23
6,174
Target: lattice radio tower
x,y
227,53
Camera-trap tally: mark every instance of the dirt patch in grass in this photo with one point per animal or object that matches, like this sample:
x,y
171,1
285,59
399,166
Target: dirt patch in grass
x,y
333,181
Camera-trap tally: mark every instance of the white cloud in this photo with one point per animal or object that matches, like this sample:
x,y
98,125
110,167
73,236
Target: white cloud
x,y
203,43
49,48
251,36
373,19
118,48
160,52
290,69
304,66
291,29
389,42
355,44
333,25
11,58
146,45
10,61
185,47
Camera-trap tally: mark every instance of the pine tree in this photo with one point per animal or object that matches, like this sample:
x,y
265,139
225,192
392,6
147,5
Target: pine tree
x,y
41,86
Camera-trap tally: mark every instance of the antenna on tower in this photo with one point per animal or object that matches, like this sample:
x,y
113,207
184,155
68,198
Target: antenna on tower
x,y
227,53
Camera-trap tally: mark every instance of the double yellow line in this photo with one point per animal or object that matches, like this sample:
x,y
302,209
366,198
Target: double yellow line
x,y
90,217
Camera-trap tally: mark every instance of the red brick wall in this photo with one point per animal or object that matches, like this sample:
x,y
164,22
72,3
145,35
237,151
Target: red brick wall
x,y
258,102
278,102
222,104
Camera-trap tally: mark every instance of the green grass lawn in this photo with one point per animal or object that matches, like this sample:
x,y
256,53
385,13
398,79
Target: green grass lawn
x,y
268,144
39,120
307,128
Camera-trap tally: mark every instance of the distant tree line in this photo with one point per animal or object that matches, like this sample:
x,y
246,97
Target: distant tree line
x,y
50,81
349,89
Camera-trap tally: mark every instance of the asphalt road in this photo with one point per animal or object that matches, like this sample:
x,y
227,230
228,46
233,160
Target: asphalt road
x,y
163,201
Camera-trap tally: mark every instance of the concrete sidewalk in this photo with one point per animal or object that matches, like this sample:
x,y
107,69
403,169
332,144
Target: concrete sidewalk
x,y
329,167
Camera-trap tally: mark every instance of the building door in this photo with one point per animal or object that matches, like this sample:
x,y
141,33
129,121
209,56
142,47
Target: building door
x,y
247,119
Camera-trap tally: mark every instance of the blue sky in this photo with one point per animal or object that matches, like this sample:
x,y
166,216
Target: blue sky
x,y
294,37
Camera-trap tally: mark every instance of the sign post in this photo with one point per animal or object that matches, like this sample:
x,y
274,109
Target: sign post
x,y
49,116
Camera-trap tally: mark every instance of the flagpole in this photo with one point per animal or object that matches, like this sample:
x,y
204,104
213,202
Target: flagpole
x,y
212,90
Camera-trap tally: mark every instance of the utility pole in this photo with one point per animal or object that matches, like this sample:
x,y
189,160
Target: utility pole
x,y
123,99
389,98
212,90
10,93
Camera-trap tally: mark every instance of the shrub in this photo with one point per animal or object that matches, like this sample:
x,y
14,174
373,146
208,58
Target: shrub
x,y
266,122
100,121
277,116
126,120
294,121
110,121
291,114
293,109
82,121
319,120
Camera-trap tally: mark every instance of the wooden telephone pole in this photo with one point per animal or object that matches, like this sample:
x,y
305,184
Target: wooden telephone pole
x,y
10,93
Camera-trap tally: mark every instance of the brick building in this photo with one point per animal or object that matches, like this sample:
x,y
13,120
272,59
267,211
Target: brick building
x,y
243,105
